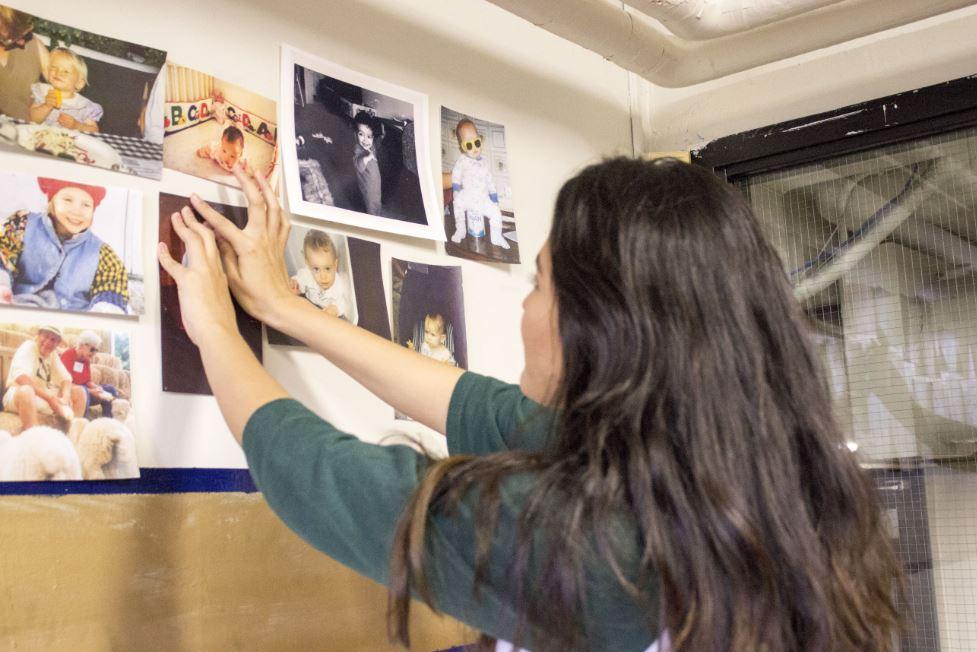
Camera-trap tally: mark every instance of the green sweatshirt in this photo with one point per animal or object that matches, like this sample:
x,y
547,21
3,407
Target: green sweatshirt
x,y
345,497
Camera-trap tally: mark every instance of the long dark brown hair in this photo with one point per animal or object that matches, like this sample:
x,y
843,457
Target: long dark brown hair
x,y
692,403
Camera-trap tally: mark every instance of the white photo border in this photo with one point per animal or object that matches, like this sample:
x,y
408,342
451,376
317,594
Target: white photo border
x,y
433,229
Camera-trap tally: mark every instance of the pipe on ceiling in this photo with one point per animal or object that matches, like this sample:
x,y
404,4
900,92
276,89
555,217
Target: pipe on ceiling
x,y
644,47
871,233
701,20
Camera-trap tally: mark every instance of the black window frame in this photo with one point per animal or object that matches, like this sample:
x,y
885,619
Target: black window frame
x,y
910,115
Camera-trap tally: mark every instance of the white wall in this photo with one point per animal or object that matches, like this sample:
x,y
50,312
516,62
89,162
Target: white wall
x,y
561,105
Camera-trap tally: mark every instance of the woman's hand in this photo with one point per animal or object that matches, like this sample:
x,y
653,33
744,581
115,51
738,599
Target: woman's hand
x,y
205,302
254,257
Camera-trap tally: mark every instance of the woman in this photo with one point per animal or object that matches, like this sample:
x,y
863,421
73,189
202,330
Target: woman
x,y
22,58
688,477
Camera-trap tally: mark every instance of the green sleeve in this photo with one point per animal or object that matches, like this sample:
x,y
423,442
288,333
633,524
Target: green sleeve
x,y
313,476
345,498
488,416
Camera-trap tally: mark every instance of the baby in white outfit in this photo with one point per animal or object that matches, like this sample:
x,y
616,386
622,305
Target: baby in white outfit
x,y
320,281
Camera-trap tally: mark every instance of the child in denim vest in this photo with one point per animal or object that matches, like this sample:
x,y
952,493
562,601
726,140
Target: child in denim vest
x,y
53,260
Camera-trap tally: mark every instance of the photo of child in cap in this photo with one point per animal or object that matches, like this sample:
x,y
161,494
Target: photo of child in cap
x,y
50,254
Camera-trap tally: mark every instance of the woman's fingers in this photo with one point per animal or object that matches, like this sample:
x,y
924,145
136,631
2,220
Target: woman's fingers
x,y
277,221
195,248
267,192
205,234
223,226
229,260
251,189
283,230
172,267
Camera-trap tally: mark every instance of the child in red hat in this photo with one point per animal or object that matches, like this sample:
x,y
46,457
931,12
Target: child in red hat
x,y
53,260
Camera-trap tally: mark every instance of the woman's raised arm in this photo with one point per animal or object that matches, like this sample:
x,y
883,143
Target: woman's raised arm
x,y
254,262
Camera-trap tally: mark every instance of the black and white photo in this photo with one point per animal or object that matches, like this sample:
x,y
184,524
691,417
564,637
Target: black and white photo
x,y
354,149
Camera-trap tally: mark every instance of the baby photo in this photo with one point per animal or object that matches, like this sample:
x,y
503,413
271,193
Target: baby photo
x,y
183,370
339,275
210,125
353,146
67,404
84,97
70,246
429,312
479,222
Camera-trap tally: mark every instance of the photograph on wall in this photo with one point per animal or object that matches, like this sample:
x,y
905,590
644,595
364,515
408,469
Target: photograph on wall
x,y
211,124
337,274
355,148
429,312
70,246
67,404
183,370
479,222
80,96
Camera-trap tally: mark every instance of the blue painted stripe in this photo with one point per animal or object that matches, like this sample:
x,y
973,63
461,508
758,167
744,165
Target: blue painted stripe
x,y
151,481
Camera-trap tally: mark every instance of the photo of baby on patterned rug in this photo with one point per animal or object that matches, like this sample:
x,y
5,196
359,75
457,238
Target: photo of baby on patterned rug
x,y
79,96
67,410
211,124
183,370
70,246
479,221
339,275
354,148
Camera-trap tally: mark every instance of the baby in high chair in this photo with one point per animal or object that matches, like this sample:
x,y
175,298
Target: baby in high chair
x,y
58,100
435,343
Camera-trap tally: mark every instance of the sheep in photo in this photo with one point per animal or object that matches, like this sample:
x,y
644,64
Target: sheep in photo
x,y
106,448
38,453
122,410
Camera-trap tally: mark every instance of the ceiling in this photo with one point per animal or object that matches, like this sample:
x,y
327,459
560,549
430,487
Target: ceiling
x,y
676,43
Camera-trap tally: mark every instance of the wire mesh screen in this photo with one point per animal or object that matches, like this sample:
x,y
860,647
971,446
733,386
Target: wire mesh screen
x,y
882,249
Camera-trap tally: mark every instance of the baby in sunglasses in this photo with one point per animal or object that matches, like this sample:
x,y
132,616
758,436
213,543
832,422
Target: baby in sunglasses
x,y
473,189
